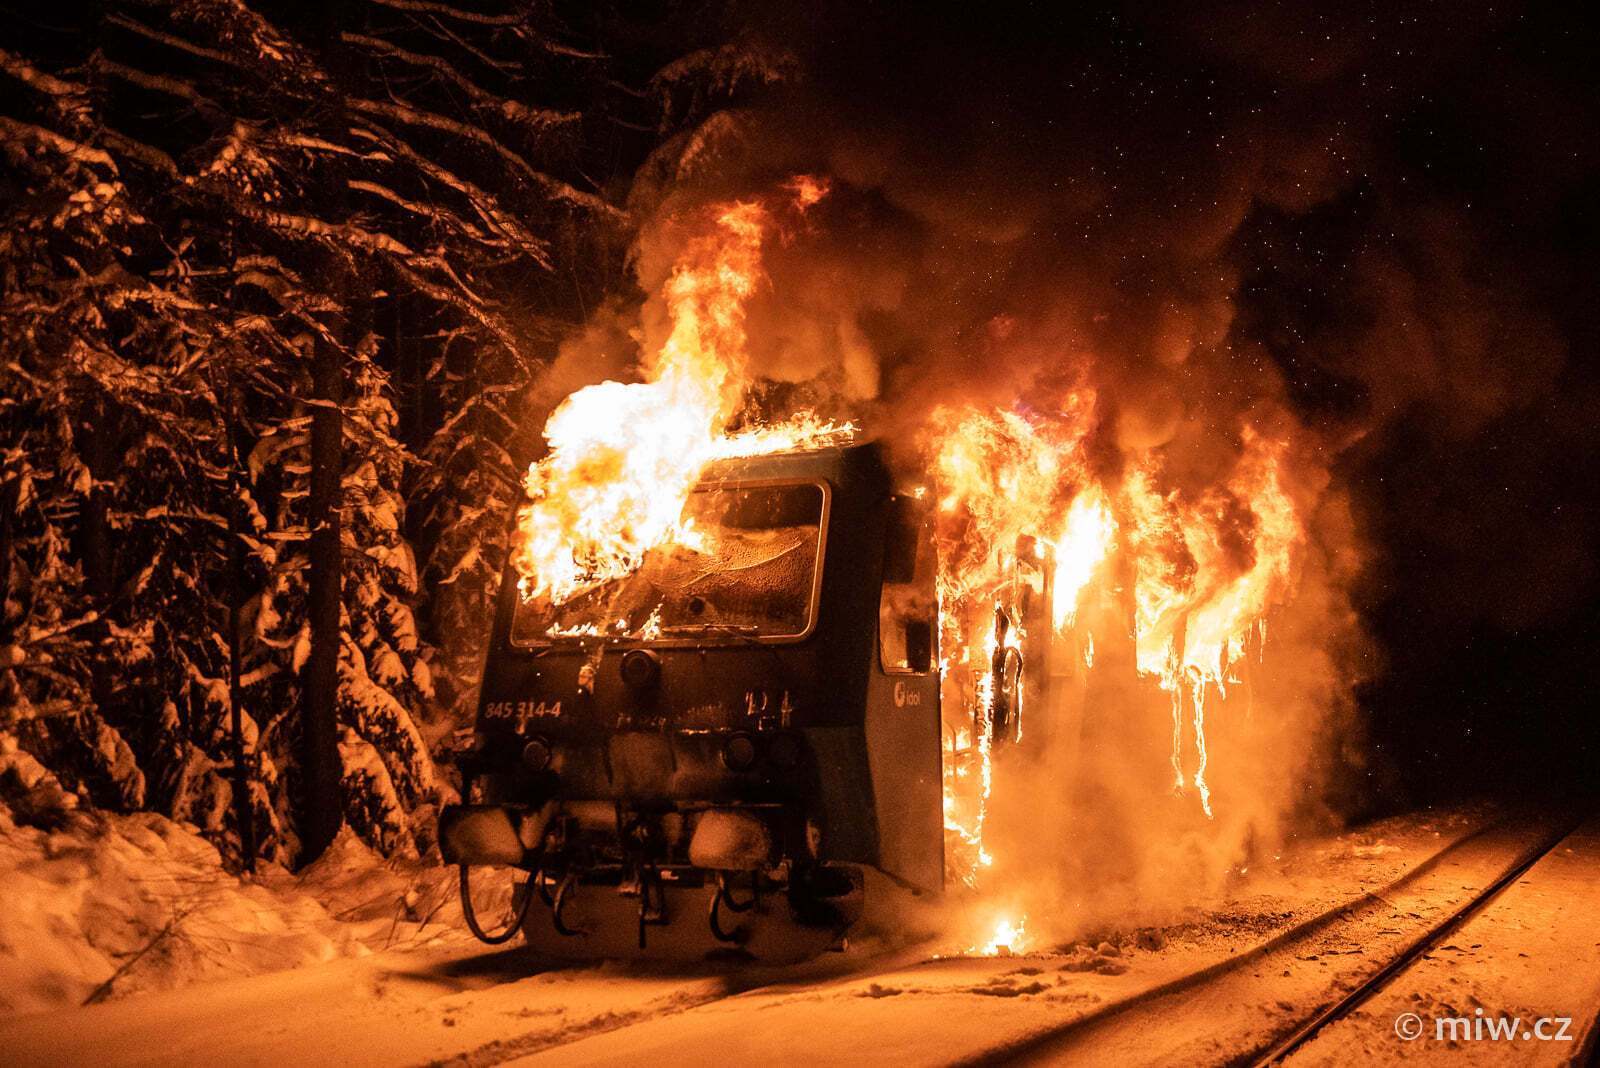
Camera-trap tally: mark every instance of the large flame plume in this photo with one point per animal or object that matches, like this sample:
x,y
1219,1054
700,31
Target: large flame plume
x,y
623,457
1059,558
1206,574
1209,572
1003,481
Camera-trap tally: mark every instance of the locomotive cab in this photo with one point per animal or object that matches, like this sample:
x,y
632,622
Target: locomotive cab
x,y
723,747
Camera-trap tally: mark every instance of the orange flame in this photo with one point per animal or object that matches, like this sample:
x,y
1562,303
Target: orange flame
x,y
1007,938
1206,573
1005,482
1082,548
623,457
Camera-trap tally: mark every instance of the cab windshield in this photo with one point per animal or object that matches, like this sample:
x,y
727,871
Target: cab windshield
x,y
748,567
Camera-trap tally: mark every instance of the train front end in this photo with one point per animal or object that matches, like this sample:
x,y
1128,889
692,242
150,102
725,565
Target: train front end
x,y
719,750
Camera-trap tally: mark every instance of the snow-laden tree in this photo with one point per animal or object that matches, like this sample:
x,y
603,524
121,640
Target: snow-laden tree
x,y
210,209
120,474
276,282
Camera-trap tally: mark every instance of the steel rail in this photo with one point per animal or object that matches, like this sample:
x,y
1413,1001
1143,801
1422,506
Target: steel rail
x,y
1408,956
1036,1046
733,983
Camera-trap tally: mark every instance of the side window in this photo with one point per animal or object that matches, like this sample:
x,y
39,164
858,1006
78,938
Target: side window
x,y
906,608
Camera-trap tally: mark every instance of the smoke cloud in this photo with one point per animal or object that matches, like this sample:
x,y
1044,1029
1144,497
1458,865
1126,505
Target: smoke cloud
x,y
1332,226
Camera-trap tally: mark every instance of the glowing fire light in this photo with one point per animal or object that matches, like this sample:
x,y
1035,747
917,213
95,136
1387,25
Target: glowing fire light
x,y
1081,549
1004,481
1007,939
1208,571
623,457
1025,523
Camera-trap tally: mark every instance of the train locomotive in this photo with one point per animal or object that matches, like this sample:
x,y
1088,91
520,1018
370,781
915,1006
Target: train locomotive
x,y
730,747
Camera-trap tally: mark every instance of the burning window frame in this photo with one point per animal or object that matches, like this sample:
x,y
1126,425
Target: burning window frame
x,y
593,632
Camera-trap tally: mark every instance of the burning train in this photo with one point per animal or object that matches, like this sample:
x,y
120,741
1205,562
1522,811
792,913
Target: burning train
x,y
753,715
743,671
726,728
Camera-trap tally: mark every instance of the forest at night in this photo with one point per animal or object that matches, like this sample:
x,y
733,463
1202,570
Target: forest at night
x,y
1037,533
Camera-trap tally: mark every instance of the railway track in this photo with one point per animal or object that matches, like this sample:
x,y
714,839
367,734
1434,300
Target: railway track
x,y
1119,1032
512,1047
1268,1002
1387,976
1299,995
1461,879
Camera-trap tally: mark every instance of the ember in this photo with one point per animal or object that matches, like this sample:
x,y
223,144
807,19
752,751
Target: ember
x,y
1006,940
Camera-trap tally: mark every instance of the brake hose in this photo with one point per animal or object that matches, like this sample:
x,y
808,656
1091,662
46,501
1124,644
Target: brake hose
x,y
471,915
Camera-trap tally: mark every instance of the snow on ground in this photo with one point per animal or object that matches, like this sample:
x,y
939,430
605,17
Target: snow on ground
x,y
1533,954
106,906
459,1003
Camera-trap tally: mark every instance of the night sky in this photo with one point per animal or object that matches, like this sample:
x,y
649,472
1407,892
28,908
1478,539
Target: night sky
x,y
1401,201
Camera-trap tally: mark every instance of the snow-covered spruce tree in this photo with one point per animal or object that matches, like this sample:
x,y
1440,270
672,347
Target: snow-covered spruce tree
x,y
382,671
229,236
245,192
383,676
119,476
79,377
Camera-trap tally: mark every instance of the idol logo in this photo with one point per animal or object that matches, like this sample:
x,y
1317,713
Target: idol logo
x,y
904,695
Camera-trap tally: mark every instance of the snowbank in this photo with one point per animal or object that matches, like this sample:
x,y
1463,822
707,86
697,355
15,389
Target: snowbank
x,y
102,906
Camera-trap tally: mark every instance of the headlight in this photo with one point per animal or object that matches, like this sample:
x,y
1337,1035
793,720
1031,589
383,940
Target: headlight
x,y
536,754
641,669
739,753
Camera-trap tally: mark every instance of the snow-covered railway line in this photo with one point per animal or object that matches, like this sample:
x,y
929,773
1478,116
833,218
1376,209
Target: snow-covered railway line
x,y
1518,978
678,991
1392,975
953,1009
450,1006
1270,1001
1226,988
